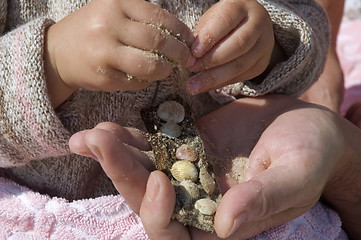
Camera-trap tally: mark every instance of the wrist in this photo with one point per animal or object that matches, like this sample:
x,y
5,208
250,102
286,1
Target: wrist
x,y
58,91
344,183
343,190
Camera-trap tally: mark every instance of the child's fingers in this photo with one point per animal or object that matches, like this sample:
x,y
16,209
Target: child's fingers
x,y
151,38
215,24
157,209
238,43
139,63
243,68
243,39
144,12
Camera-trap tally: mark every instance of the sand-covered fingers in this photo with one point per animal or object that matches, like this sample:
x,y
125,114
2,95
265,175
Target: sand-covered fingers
x,y
144,12
122,45
241,69
154,38
229,28
215,24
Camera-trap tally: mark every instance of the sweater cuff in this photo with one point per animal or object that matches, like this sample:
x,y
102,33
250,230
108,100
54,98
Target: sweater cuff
x,y
31,128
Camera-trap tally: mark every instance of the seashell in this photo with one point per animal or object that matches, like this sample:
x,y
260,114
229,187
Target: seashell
x,y
171,111
184,170
207,181
206,206
191,188
171,129
186,152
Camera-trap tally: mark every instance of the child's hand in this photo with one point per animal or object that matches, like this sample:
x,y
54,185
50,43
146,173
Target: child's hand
x,y
234,43
100,46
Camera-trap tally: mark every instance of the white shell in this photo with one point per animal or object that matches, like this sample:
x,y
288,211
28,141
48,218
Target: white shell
x,y
184,170
171,111
206,206
207,181
171,129
191,188
186,152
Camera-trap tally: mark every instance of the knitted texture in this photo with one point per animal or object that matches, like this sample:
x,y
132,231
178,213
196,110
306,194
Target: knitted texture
x,y
33,137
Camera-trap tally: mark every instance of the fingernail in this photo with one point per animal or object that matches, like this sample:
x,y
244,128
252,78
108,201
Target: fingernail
x,y
198,50
237,223
197,47
152,187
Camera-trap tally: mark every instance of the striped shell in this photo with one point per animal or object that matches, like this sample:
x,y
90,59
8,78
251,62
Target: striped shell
x,y
184,170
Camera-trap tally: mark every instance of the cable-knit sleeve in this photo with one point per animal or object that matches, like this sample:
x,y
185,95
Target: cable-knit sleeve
x,y
301,28
29,126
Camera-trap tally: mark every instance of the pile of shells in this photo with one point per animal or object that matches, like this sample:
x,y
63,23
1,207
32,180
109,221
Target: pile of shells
x,y
179,153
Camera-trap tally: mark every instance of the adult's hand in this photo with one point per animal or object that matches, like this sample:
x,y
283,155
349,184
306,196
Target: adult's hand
x,y
293,149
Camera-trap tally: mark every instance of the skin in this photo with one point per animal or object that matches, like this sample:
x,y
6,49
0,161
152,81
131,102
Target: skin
x,y
353,114
329,89
115,30
234,42
321,159
111,44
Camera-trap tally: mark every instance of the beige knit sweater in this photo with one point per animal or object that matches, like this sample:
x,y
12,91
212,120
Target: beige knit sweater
x,y
34,137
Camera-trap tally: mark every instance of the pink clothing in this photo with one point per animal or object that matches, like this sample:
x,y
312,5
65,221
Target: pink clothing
x,y
349,51
26,215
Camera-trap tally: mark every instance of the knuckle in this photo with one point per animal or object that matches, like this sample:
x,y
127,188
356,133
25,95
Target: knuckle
x,y
160,14
242,40
226,19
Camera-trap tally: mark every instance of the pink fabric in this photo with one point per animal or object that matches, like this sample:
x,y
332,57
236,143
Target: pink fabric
x,y
26,215
349,51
